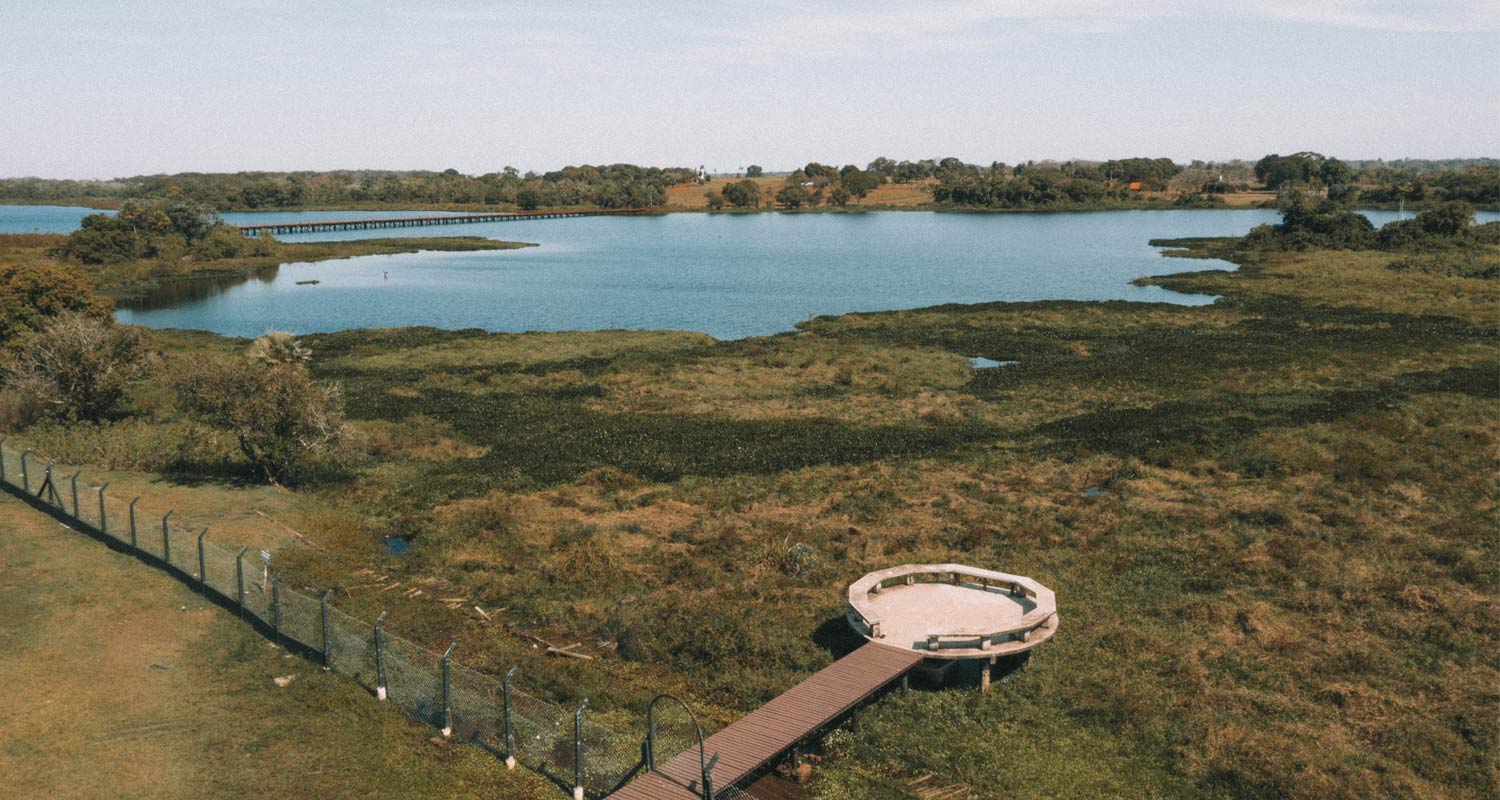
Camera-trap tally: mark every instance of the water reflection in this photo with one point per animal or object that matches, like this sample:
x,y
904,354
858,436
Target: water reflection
x,y
174,293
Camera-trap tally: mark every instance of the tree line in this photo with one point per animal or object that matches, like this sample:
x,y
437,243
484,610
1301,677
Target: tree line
x,y
952,181
604,186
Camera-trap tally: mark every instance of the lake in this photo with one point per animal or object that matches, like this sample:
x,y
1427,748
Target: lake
x,y
728,275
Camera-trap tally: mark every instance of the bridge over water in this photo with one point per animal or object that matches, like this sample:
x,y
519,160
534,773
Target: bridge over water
x,y
308,226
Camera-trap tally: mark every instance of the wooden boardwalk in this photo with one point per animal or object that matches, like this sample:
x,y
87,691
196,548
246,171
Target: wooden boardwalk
x,y
747,745
307,226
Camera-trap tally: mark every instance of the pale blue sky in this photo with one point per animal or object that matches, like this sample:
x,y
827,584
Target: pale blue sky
x,y
96,89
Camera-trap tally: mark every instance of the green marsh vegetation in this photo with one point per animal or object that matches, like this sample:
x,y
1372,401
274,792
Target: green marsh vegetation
x,y
1282,585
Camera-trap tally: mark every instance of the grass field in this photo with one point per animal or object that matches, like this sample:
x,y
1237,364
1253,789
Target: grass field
x,y
120,682
1271,521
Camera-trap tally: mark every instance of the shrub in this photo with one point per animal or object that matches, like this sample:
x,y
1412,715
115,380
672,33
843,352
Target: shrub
x,y
1447,219
78,366
31,295
283,420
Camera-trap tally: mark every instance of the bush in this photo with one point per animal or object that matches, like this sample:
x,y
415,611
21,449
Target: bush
x,y
283,421
78,366
1402,234
31,295
1446,219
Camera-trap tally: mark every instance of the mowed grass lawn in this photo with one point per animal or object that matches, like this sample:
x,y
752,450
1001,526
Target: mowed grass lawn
x,y
120,682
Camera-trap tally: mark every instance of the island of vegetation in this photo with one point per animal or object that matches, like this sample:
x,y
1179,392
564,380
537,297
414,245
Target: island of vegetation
x,y
148,247
1272,518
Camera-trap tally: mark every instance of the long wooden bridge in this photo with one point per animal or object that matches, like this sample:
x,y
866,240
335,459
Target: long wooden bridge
x,y
743,748
308,226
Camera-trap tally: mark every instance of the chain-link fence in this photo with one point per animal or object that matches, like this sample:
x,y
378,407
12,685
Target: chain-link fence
x,y
562,744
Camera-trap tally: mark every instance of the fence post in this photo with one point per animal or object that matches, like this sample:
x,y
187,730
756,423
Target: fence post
x,y
448,691
239,578
73,481
2,457
578,750
132,522
276,607
25,478
379,659
510,734
53,498
327,660
202,565
166,541
103,523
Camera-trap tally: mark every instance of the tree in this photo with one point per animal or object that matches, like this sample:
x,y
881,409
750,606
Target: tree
x,y
861,182
743,194
883,165
1446,219
814,171
753,171
792,195
1275,170
1334,172
32,295
528,199
839,195
714,199
78,365
283,420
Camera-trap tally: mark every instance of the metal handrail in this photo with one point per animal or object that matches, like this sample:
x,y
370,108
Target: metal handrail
x,y
649,746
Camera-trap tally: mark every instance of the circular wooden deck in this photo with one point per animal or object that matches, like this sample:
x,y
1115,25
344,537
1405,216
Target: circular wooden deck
x,y
950,611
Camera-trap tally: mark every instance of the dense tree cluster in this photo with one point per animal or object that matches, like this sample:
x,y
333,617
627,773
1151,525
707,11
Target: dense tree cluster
x,y
1040,190
1304,169
155,230
817,184
1330,225
912,171
611,186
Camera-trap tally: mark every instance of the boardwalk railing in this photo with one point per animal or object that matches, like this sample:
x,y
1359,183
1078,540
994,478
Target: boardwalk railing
x,y
310,226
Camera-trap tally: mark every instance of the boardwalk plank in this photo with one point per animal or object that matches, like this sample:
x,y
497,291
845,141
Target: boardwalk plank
x,y
772,729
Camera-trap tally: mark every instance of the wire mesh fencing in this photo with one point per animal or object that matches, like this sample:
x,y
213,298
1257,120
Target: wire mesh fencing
x,y
564,744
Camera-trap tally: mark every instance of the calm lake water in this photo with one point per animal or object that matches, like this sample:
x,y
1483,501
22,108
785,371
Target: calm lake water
x,y
727,275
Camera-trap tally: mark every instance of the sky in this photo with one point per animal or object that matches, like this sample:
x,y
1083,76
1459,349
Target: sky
x,y
112,89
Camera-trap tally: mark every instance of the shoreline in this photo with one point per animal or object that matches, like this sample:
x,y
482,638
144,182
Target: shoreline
x,y
110,204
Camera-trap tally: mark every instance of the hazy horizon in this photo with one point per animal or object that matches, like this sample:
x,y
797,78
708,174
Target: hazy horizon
x,y
100,91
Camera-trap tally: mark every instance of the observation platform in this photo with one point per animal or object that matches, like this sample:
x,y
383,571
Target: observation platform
x,y
952,612
910,615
